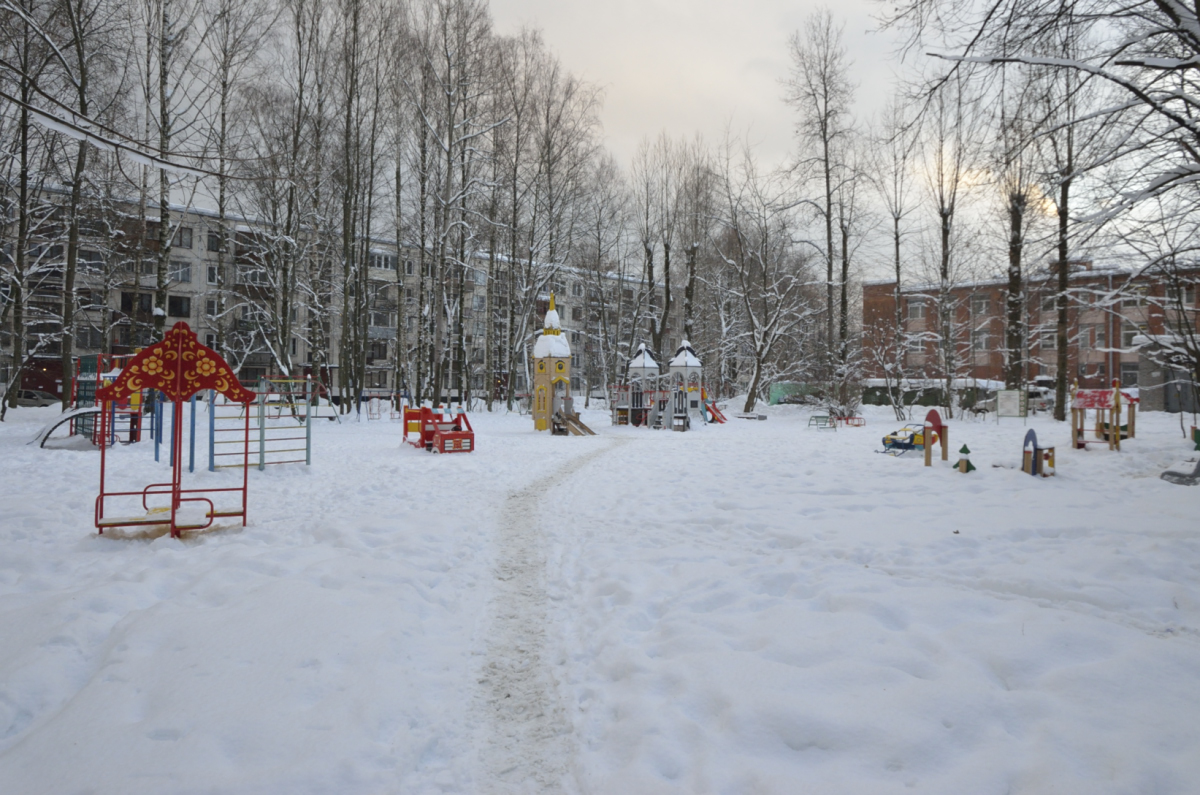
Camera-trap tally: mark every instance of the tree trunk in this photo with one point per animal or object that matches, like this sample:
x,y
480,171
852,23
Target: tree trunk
x,y
166,44
1014,375
1061,374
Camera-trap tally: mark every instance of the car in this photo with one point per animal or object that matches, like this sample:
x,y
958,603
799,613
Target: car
x,y
1041,398
36,398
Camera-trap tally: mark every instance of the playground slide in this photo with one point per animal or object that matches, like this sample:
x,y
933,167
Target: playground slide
x,y
576,426
716,412
44,433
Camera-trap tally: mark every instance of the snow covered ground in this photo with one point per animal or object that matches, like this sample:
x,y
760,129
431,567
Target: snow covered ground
x,y
755,607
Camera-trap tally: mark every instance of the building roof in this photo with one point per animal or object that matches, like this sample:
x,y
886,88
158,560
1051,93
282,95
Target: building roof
x,y
685,356
552,342
643,359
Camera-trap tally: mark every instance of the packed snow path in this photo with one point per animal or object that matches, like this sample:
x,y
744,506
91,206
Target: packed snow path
x,y
528,747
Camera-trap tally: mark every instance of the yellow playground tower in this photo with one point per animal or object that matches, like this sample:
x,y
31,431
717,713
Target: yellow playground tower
x,y
551,404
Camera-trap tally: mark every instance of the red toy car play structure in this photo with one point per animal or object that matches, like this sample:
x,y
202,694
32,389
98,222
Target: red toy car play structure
x,y
439,430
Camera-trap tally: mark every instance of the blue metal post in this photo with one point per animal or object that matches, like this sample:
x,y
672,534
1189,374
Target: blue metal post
x,y
174,420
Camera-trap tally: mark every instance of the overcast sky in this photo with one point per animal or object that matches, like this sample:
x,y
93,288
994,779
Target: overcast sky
x,y
696,65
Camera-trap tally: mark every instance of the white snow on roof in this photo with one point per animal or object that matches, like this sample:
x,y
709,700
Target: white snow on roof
x,y
643,358
555,345
685,356
552,320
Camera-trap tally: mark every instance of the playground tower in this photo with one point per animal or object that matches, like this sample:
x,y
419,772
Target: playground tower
x,y
686,372
551,373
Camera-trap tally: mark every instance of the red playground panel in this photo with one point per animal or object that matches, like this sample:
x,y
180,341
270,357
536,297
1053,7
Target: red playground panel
x,y
178,367
438,430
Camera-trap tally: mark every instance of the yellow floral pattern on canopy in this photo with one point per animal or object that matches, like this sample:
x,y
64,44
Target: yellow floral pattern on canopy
x,y
179,367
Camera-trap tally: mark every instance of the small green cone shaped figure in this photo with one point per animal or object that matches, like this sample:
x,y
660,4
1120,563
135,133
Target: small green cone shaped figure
x,y
964,463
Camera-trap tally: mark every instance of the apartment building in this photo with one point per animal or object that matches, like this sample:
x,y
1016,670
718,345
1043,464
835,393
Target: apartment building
x,y
1109,308
223,299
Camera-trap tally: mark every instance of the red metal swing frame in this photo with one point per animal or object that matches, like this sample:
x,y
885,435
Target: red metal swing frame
x,y
179,367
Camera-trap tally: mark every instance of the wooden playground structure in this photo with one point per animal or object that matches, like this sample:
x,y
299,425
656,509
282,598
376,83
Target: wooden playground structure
x,y
1036,460
178,367
1108,405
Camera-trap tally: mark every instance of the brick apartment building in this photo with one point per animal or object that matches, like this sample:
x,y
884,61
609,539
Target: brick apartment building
x,y
1109,308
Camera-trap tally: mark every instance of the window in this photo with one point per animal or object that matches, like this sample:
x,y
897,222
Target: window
x,y
183,237
179,306
574,338
1135,297
408,267
1049,340
135,302
914,345
980,305
90,259
382,261
1128,332
213,274
916,308
1049,304
214,241
210,307
383,319
411,324
576,313
88,298
980,341
210,340
576,289
480,302
251,274
88,337
1129,374
1099,337
180,271
253,314
627,294
1176,296
149,267
293,346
